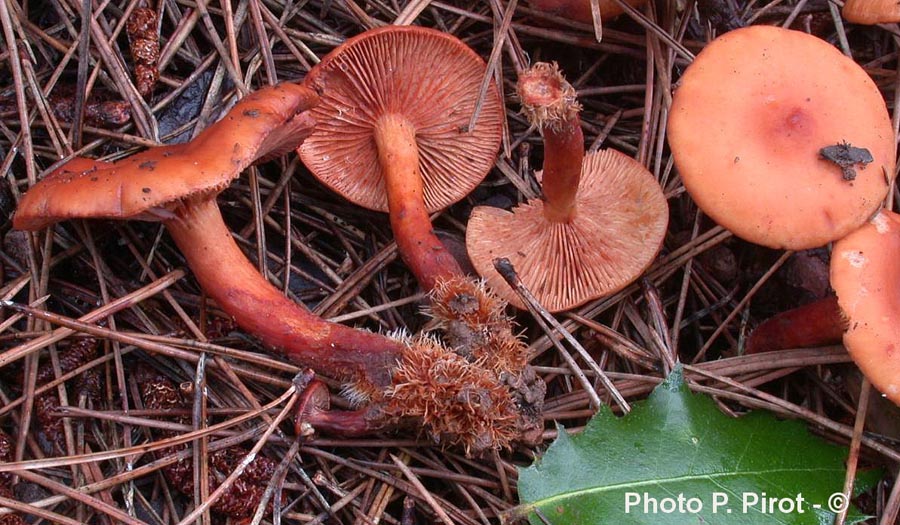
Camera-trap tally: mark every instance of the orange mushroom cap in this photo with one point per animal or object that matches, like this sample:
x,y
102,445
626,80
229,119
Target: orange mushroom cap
x,y
431,79
747,125
264,124
865,274
615,235
871,11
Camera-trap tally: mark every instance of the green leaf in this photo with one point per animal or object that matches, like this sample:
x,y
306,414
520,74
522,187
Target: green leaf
x,y
677,459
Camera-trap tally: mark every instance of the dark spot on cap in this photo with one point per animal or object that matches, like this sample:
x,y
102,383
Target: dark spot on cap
x,y
145,190
253,113
147,165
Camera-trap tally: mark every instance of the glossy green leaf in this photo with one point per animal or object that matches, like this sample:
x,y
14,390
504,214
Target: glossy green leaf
x,y
676,459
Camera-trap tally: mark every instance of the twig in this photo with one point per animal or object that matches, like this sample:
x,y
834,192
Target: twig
x,y
853,459
423,492
119,304
227,482
543,317
499,40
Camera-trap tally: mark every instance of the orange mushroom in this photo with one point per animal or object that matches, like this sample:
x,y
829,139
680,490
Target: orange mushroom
x,y
393,135
871,11
601,221
865,274
780,138
178,184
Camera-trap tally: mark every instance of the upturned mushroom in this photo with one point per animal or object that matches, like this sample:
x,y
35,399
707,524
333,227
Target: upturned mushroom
x,y
865,274
393,133
780,138
599,225
177,185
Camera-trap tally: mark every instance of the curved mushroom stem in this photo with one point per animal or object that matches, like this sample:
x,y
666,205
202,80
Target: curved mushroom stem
x,y
421,250
549,102
228,277
344,423
315,415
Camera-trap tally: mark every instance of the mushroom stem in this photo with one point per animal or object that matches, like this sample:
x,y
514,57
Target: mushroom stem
x,y
815,324
314,412
347,423
235,284
563,158
550,103
421,250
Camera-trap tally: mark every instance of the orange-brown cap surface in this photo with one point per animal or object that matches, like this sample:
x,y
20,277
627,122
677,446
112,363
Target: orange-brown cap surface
x,y
619,227
747,125
865,274
430,78
266,123
871,11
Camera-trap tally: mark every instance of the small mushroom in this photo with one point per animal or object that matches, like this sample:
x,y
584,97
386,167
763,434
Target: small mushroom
x,y
871,12
865,274
749,122
393,135
601,221
178,185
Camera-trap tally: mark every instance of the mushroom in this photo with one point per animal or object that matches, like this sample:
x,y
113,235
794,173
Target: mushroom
x,y
177,185
601,221
780,138
393,135
865,274
871,12
403,380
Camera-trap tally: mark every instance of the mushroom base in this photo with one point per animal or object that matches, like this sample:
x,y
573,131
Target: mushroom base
x,y
478,392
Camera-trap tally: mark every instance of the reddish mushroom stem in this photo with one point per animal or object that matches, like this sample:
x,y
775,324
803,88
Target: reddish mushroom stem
x,y
348,423
238,288
815,324
421,250
550,103
563,158
314,412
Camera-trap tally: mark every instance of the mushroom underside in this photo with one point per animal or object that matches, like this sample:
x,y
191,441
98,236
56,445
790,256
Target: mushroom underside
x,y
620,221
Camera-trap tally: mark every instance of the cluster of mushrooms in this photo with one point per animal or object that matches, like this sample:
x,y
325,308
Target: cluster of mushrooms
x,y
383,121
